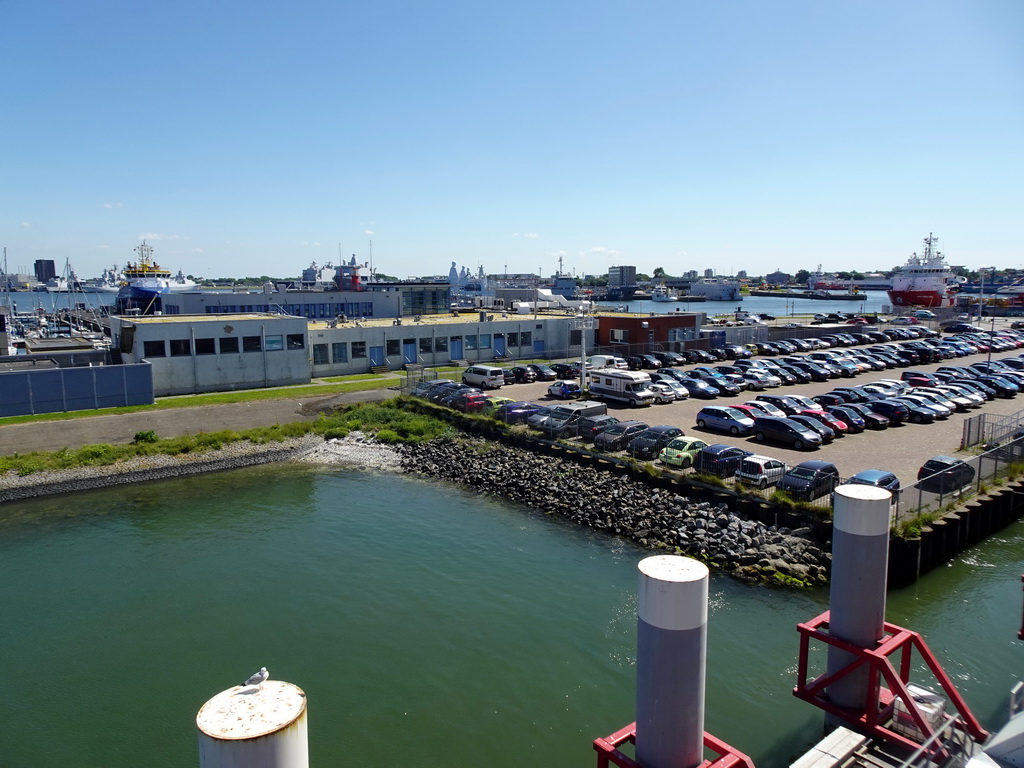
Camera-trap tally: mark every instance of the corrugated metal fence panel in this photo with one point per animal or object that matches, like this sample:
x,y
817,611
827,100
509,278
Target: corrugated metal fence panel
x,y
75,389
974,429
15,394
138,384
48,391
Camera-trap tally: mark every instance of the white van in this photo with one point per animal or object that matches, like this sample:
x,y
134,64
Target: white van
x,y
483,376
608,361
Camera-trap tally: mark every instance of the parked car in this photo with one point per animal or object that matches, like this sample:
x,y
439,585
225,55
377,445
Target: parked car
x,y
517,413
760,471
810,479
720,459
944,474
699,389
615,437
590,426
663,393
424,387
896,412
681,451
724,419
648,443
764,408
855,420
510,378
524,375
879,478
827,433
565,389
785,430
784,403
543,372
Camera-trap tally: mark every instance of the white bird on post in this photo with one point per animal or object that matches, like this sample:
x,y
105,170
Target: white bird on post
x,y
259,678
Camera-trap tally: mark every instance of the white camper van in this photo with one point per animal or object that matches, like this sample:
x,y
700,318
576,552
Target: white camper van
x,y
631,387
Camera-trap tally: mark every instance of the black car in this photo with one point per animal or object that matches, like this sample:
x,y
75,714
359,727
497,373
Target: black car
x,y
565,370
809,479
543,372
648,444
894,411
829,399
826,432
720,459
615,437
872,420
510,378
785,430
944,474
590,426
524,375
1002,387
785,404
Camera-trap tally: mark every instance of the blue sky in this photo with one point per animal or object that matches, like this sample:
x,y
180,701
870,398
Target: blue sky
x,y
253,138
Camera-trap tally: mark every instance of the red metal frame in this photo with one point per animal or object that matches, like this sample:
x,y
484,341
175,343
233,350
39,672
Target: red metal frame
x,y
608,751
879,701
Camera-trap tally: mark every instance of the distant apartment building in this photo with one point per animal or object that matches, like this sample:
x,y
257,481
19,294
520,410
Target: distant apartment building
x,y
778,277
45,270
709,273
690,274
619,276
741,275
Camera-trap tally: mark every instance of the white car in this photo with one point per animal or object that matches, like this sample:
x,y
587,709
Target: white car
x,y
678,389
663,393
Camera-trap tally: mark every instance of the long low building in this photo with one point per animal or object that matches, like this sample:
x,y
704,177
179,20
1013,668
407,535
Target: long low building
x,y
217,352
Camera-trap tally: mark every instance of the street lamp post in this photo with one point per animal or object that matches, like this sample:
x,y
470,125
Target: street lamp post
x,y
583,323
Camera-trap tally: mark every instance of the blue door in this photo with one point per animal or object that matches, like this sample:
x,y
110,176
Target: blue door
x,y
455,349
376,355
499,346
538,347
409,352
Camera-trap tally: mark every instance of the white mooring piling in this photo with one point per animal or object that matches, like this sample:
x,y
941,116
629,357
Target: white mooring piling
x,y
254,726
860,562
672,617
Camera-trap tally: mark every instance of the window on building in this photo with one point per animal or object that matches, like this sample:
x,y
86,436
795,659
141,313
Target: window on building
x,y
154,349
618,336
320,356
358,349
485,341
426,347
525,339
393,347
471,342
339,350
181,347
513,339
296,341
441,344
274,343
252,344
228,345
206,347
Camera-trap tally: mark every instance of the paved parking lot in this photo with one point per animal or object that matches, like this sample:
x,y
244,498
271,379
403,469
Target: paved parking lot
x,y
901,449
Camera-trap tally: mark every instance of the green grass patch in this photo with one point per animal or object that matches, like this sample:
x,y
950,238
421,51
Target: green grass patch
x,y
392,421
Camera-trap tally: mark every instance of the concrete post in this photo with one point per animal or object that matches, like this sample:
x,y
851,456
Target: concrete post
x,y
860,559
670,659
254,727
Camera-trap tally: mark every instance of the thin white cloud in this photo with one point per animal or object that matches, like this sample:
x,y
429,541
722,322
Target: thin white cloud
x,y
157,236
26,224
530,235
313,245
368,231
102,247
600,249
113,205
198,250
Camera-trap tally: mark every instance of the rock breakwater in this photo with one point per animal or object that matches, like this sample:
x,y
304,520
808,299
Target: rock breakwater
x,y
622,506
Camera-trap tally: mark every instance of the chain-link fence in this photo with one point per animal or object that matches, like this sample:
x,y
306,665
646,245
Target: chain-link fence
x,y
991,429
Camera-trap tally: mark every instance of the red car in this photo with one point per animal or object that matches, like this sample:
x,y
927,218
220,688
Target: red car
x,y
857,321
838,426
471,403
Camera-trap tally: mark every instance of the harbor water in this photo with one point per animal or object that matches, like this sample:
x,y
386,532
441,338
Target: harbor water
x,y
427,624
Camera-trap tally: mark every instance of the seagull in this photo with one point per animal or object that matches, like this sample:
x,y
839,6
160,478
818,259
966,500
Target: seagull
x,y
259,678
